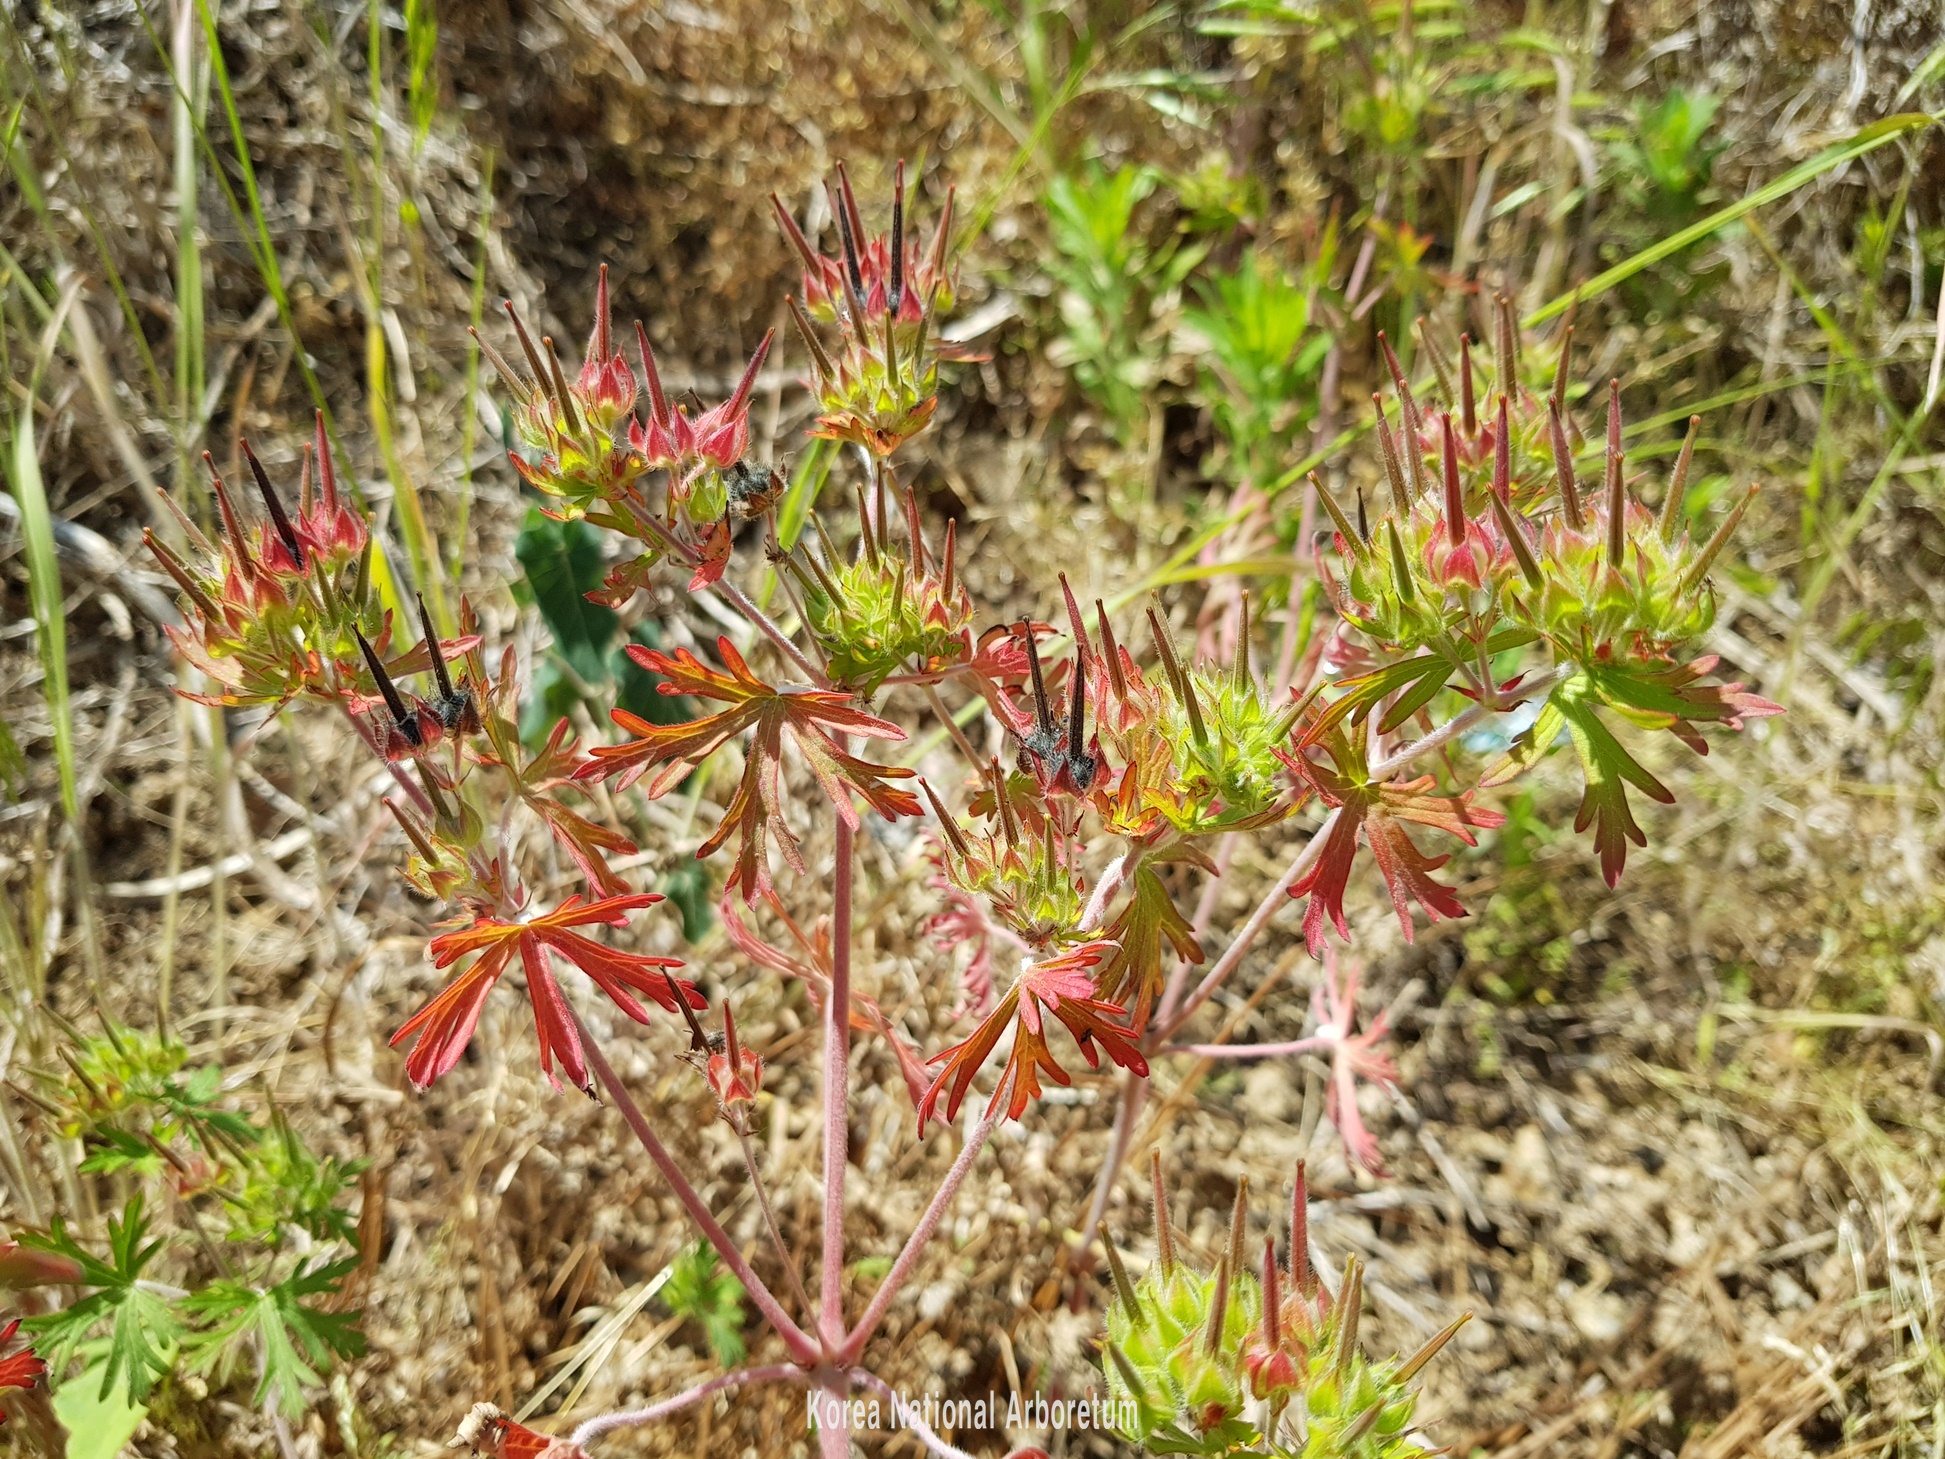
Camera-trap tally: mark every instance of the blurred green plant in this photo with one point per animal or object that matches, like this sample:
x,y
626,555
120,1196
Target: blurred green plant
x,y
700,1291
1258,369
587,665
1117,287
562,563
1389,64
1668,159
422,84
247,1281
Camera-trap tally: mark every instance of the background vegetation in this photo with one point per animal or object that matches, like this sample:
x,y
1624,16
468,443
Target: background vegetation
x,y
1678,1146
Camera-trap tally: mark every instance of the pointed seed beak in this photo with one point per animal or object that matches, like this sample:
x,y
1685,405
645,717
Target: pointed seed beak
x,y
658,402
1123,1288
527,347
439,674
897,294
1441,366
1455,511
1692,579
1164,1235
600,340
1617,504
285,533
408,723
1671,505
1042,710
1563,465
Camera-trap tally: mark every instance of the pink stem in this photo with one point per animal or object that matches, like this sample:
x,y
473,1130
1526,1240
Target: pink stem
x,y
837,1090
1465,720
1252,1051
607,1423
1259,919
802,1347
908,1419
1134,1097
834,1440
901,1269
768,627
405,782
1113,876
1205,909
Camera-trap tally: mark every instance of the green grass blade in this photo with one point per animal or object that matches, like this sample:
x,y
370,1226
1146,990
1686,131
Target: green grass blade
x,y
1867,139
50,623
806,483
251,218
186,107
421,548
422,83
22,169
469,411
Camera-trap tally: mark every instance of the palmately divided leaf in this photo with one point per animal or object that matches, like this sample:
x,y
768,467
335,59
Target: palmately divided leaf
x,y
273,1330
1132,976
144,1329
1377,811
756,811
1656,698
1062,986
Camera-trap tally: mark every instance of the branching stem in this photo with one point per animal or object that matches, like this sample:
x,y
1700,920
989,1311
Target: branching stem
x,y
801,1345
901,1269
837,1088
633,1418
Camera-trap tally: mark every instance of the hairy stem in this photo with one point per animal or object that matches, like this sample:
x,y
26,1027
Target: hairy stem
x,y
973,757
1252,1051
834,1439
769,628
1247,934
802,1347
1134,1098
1113,876
908,1420
837,1089
632,1418
1465,720
901,1269
776,1233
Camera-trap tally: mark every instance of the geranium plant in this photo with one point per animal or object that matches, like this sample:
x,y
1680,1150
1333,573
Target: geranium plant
x,y
1487,571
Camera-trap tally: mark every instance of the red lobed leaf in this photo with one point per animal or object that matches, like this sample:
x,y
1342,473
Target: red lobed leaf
x,y
1063,986
445,1025
756,811
1376,811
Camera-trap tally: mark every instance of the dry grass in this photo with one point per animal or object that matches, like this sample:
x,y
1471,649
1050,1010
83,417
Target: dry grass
x,y
1678,1147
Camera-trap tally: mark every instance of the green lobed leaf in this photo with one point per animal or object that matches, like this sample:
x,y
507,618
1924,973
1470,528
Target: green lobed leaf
x,y
1865,139
99,1418
563,562
288,1342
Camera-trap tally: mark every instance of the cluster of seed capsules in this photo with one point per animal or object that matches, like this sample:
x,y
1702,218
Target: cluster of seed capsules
x,y
1229,1362
1488,541
1486,525
289,610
